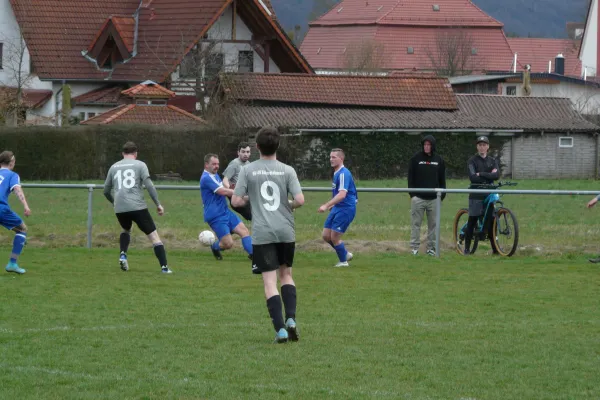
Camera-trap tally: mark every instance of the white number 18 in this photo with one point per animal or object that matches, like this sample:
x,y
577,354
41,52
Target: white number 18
x,y
126,178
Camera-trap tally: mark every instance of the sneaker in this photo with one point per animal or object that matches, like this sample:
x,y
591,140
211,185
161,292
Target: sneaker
x,y
415,252
431,252
292,330
123,262
281,336
14,267
217,254
349,256
342,264
592,260
166,270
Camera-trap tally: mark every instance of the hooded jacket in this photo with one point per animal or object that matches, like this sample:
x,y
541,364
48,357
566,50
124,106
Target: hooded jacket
x,y
427,171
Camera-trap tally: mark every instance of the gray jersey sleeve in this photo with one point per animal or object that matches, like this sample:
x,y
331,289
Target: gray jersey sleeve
x,y
108,183
293,183
231,171
241,187
145,178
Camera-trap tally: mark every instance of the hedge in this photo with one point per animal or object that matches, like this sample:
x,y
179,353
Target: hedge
x,y
86,152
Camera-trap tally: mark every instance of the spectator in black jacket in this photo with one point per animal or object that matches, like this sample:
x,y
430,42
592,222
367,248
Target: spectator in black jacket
x,y
483,169
425,170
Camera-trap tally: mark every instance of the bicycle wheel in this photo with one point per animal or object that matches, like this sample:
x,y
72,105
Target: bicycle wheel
x,y
506,232
460,226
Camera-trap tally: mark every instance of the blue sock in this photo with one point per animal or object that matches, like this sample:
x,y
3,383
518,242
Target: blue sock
x,y
247,243
18,244
215,245
340,249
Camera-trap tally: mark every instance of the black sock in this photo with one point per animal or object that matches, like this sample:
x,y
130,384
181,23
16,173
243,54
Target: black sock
x,y
124,240
274,307
161,254
288,294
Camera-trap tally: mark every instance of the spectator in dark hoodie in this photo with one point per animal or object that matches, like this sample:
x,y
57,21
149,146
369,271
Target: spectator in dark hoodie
x,y
425,170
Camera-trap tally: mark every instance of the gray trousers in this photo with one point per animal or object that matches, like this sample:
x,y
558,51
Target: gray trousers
x,y
418,208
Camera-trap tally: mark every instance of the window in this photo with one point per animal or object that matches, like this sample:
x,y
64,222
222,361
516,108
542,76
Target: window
x,y
188,67
566,141
90,115
82,116
511,90
1,53
246,61
214,65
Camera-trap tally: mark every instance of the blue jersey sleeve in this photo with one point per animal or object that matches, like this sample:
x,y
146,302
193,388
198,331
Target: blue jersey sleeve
x,y
14,181
344,180
211,183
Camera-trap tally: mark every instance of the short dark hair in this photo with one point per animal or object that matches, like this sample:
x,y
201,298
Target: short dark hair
x,y
338,150
209,156
243,145
6,157
267,140
130,148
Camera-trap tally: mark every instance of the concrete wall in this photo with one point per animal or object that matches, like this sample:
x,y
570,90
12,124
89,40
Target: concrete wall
x,y
538,156
589,46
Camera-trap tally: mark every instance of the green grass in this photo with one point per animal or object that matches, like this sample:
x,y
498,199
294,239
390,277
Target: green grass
x,y
392,326
548,224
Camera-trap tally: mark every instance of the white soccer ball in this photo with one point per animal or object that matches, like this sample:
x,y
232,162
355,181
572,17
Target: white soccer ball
x,y
207,238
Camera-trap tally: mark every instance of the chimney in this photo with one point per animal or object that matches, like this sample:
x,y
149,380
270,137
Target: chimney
x,y
559,65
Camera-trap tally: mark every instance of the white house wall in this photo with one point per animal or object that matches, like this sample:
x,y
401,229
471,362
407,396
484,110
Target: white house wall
x,y
589,46
585,99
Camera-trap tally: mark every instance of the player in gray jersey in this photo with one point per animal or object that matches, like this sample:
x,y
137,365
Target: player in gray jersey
x,y
126,178
231,173
268,183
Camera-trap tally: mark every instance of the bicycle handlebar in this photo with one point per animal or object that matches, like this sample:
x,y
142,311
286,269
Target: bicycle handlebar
x,y
491,185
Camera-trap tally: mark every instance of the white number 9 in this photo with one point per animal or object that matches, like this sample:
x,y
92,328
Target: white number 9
x,y
274,199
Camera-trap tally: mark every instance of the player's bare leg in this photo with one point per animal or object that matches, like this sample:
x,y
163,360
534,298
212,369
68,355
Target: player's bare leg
x,y
159,251
243,232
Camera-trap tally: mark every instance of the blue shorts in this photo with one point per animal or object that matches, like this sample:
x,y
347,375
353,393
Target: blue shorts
x,y
339,219
9,219
225,224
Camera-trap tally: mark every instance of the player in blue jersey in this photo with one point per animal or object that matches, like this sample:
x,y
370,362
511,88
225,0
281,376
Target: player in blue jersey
x,y
342,206
216,211
10,182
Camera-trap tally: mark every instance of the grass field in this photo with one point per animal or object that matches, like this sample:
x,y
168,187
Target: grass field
x,y
391,326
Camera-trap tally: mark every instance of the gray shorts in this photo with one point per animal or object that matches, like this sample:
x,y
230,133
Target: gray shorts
x,y
476,208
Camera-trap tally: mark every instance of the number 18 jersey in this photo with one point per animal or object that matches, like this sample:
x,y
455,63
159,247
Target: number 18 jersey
x,y
126,178
268,183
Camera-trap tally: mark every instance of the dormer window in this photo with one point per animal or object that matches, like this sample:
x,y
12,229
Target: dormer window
x,y
114,42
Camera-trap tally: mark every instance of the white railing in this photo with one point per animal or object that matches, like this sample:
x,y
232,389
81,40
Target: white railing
x,y
92,187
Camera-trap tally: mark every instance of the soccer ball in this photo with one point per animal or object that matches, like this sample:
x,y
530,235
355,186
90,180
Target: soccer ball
x,y
207,238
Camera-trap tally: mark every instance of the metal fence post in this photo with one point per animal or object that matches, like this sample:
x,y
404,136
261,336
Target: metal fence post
x,y
438,222
89,220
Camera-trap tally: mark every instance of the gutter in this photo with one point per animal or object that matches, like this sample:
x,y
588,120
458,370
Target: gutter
x,y
498,132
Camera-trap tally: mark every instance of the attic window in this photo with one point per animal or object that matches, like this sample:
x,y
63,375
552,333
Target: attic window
x,y
436,7
410,50
474,51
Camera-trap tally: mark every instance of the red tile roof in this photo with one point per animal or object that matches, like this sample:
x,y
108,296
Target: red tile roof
x,y
537,53
149,89
327,47
530,114
453,13
57,31
31,98
416,93
145,114
105,95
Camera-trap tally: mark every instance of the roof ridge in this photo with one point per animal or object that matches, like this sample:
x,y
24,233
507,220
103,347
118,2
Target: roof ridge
x,y
486,14
387,13
182,111
126,109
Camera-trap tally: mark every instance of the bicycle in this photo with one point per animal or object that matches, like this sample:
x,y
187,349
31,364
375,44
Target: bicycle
x,y
504,224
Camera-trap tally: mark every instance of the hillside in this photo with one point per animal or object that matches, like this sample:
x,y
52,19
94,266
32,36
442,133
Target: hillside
x,y
536,18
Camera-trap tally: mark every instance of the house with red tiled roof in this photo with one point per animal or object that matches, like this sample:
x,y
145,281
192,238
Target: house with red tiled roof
x,y
148,107
407,35
95,47
541,137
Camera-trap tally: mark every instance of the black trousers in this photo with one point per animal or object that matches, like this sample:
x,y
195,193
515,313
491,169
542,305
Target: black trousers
x,y
245,211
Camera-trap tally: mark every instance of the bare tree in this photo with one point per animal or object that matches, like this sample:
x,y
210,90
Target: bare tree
x,y
364,57
18,78
454,53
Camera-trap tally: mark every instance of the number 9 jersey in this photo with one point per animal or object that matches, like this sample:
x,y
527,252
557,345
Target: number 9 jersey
x,y
126,178
268,184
